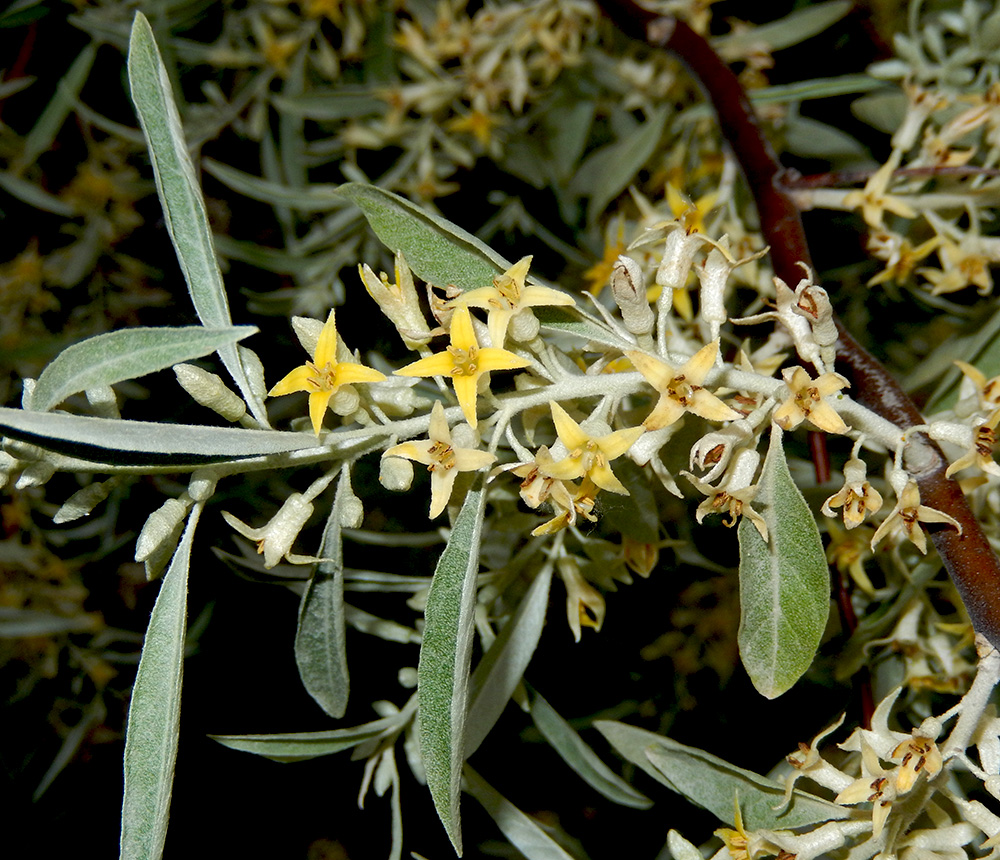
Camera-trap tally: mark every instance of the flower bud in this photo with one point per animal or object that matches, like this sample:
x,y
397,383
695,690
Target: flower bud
x,y
395,473
104,401
35,474
628,286
83,501
210,391
274,540
162,526
398,302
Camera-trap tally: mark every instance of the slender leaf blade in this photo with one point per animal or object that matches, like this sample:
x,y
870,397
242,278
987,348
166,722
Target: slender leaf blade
x,y
784,582
502,667
301,746
712,783
445,656
180,195
154,713
524,833
437,250
126,354
320,642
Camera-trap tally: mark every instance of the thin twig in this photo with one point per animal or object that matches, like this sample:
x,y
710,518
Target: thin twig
x,y
967,555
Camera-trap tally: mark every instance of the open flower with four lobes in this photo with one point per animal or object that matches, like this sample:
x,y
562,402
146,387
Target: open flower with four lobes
x,y
807,401
589,456
568,500
681,390
857,497
875,785
324,375
585,606
978,442
909,513
734,493
976,391
442,457
507,298
464,362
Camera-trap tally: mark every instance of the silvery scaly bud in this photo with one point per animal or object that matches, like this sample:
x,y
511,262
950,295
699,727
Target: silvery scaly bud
x,y
35,474
104,401
395,473
201,486
628,286
158,538
523,326
84,500
210,391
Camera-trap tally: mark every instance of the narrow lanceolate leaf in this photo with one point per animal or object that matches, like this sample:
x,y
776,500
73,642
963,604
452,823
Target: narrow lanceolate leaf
x,y
502,667
154,713
714,784
524,833
784,583
180,195
116,442
126,354
300,746
315,198
574,751
320,648
438,251
445,655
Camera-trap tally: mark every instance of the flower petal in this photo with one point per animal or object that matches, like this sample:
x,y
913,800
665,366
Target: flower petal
x,y
567,429
492,358
465,391
326,346
463,336
439,364
297,380
346,373
318,402
698,366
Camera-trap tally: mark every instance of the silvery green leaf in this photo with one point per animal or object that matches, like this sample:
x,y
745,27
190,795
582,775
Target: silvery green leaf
x,y
502,666
154,713
815,88
794,28
524,833
882,110
320,647
713,784
391,631
811,138
180,195
436,250
314,198
126,354
144,443
445,655
16,623
301,746
578,755
45,129
34,195
784,582
568,320
344,102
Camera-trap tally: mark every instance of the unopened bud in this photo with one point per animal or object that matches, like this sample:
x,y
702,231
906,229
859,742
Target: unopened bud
x,y
83,501
629,289
210,391
395,473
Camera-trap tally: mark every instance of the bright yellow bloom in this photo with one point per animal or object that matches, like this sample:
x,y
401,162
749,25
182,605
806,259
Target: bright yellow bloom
x,y
509,296
442,459
322,376
464,361
806,401
680,390
589,455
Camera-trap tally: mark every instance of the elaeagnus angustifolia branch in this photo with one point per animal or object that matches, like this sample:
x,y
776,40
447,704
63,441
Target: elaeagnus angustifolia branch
x,y
967,554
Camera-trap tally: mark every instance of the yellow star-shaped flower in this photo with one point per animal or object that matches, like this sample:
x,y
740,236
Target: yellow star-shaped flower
x,y
465,362
681,390
509,296
442,459
322,376
807,400
589,455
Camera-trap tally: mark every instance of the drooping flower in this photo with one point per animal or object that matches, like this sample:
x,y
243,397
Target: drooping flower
x,y
508,296
585,606
589,456
806,400
464,362
857,497
442,458
734,493
322,376
907,516
274,540
979,448
875,785
681,390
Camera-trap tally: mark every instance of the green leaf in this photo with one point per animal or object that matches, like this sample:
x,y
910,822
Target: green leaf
x,y
320,647
126,354
344,102
315,198
114,441
604,174
154,712
445,655
578,755
981,349
791,30
34,195
712,783
565,320
438,251
784,583
301,746
524,833
180,195
502,667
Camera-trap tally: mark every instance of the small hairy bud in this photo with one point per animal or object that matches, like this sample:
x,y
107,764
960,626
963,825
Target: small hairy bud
x,y
162,526
629,289
83,501
210,391
35,474
395,474
104,401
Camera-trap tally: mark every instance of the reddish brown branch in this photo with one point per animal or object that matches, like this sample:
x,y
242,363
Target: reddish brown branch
x,y
968,557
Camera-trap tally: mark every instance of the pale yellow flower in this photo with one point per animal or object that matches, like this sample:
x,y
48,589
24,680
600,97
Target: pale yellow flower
x,y
508,296
681,390
589,456
464,362
806,400
857,497
873,201
980,451
442,459
585,606
907,516
876,786
322,376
